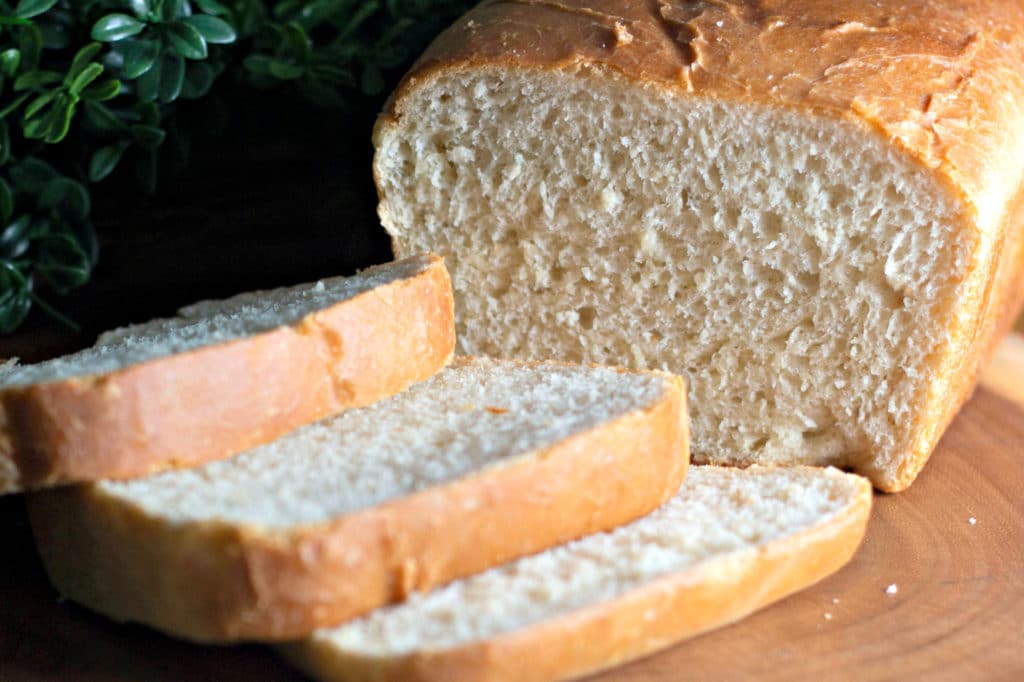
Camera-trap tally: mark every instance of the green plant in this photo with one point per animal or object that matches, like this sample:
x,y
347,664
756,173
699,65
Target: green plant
x,y
84,84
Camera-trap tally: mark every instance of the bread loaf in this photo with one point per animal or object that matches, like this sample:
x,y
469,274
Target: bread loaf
x,y
730,542
812,210
223,376
479,464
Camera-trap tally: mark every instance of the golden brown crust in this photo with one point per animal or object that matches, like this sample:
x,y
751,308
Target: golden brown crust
x,y
939,78
653,617
184,409
213,581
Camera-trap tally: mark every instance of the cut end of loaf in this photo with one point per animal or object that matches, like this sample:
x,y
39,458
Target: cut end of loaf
x,y
588,217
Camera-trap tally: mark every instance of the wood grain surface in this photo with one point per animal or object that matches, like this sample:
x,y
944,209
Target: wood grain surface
x,y
957,613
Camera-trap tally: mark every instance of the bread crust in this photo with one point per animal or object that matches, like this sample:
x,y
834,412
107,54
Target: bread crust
x,y
642,621
994,300
939,80
208,403
214,581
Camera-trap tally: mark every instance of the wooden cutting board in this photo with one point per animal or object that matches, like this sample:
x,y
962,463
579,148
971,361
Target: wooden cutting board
x,y
957,611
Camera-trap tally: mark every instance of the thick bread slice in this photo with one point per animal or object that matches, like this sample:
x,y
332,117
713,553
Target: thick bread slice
x,y
730,542
812,210
484,462
223,376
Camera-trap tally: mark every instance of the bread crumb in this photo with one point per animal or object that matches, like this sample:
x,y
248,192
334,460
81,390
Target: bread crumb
x,y
972,521
892,589
496,410
622,34
611,199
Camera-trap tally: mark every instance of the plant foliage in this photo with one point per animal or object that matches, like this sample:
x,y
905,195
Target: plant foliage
x,y
84,84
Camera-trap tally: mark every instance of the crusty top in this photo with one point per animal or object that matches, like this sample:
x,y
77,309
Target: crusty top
x,y
941,79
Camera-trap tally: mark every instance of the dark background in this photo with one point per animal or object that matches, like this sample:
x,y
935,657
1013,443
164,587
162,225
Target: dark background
x,y
273,194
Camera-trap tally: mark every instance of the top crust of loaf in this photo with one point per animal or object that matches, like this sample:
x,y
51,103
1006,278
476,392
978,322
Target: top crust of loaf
x,y
940,79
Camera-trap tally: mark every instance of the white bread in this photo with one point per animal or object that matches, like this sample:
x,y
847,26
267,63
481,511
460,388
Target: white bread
x,y
482,463
223,376
730,542
812,210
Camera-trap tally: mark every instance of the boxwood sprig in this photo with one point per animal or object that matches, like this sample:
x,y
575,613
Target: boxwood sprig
x,y
84,84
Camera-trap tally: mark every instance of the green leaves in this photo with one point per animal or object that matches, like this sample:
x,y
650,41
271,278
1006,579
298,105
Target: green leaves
x,y
212,29
164,80
139,57
105,159
65,196
15,297
48,115
27,9
212,7
10,59
6,203
172,78
15,240
186,41
5,143
114,27
104,78
33,80
80,82
46,237
151,47
199,78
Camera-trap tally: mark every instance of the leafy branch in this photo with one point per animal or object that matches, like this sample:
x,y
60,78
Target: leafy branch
x,y
84,84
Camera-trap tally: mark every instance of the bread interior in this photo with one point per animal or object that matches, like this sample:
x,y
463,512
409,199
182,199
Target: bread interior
x,y
797,269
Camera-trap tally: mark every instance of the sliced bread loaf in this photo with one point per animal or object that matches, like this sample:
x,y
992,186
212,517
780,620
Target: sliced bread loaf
x,y
223,376
483,462
814,211
730,542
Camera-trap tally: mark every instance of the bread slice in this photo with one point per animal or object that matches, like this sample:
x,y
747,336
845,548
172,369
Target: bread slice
x,y
223,376
484,462
730,542
812,210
